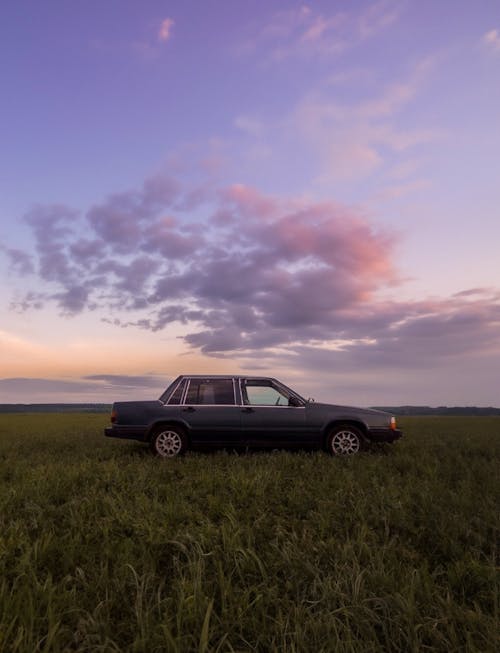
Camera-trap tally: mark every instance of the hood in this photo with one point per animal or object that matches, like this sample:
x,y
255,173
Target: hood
x,y
345,409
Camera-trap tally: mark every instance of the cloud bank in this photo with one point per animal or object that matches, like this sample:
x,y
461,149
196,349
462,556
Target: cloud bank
x,y
245,274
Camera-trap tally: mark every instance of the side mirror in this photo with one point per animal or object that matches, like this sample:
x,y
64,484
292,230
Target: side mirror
x,y
293,401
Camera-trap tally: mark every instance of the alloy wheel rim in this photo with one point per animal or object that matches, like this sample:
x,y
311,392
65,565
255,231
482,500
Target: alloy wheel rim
x,y
168,444
345,443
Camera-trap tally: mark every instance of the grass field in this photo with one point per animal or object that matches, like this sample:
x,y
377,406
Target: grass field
x,y
104,548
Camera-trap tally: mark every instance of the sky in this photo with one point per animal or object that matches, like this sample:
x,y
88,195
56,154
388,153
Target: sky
x,y
302,190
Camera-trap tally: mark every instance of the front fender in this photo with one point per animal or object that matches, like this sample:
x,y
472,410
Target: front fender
x,y
346,421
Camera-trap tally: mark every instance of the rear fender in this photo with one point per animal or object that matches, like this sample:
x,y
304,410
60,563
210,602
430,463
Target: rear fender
x,y
173,423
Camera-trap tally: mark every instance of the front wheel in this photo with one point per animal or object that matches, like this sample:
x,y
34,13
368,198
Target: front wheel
x,y
169,442
344,441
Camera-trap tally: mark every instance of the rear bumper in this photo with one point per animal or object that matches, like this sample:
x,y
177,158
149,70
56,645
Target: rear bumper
x,y
384,435
127,432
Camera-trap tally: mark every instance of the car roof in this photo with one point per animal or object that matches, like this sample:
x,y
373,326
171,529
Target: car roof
x,y
224,376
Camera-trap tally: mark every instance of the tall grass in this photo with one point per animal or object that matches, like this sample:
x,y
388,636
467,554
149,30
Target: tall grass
x,y
105,548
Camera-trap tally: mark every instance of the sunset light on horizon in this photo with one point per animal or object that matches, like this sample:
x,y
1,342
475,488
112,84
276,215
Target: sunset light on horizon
x,y
308,191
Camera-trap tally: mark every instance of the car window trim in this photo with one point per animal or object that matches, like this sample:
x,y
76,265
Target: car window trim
x,y
268,406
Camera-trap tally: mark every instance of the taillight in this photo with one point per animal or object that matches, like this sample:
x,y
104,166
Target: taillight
x,y
393,423
114,416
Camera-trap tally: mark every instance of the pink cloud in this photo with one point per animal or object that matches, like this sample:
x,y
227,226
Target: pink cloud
x,y
165,31
249,201
353,140
377,17
492,40
319,26
395,191
304,32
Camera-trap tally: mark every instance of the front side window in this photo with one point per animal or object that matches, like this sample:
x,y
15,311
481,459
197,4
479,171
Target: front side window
x,y
210,391
264,394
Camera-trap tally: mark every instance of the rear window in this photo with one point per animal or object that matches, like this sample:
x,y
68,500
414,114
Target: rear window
x,y
210,391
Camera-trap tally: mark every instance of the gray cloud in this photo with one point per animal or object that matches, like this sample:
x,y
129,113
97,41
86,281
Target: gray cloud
x,y
19,262
146,381
52,227
25,387
96,387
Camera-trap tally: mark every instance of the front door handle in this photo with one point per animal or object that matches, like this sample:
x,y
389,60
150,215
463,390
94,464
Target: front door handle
x,y
247,409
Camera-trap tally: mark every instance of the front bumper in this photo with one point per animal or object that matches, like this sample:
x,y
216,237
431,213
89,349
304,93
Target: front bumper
x,y
127,432
384,435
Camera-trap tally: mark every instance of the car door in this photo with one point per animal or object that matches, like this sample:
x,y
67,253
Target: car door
x,y
271,417
211,412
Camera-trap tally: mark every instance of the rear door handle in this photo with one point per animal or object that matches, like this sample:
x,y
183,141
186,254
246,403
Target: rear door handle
x,y
189,409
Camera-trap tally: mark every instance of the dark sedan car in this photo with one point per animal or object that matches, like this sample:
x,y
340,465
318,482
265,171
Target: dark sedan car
x,y
245,411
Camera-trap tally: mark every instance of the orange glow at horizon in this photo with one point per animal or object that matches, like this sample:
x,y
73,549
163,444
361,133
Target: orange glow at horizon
x,y
26,358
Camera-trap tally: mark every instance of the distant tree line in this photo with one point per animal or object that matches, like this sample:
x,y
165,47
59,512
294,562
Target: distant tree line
x,y
55,408
440,410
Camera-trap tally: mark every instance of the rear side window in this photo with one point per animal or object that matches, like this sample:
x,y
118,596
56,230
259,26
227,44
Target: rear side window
x,y
176,396
210,391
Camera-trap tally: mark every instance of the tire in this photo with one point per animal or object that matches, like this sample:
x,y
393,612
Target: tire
x,y
169,442
345,441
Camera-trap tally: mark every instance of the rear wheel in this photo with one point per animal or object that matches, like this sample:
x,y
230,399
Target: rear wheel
x,y
345,441
169,442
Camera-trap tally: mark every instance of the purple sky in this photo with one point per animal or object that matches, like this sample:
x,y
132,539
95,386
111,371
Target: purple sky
x,y
308,191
